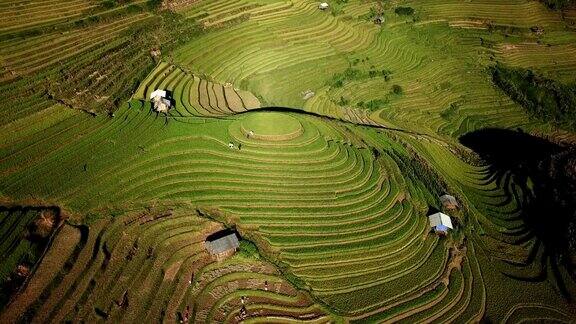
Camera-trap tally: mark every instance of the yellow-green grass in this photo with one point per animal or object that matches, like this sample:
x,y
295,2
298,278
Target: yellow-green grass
x,y
340,220
428,59
20,14
35,53
195,96
271,125
333,212
504,245
151,256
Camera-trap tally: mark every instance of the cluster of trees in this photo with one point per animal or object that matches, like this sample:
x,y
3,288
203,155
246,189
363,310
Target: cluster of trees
x,y
350,74
336,6
545,99
559,4
449,112
419,171
404,11
353,74
378,10
130,59
150,4
373,105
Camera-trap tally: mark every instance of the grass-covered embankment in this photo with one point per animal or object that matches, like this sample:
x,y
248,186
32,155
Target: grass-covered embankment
x,y
544,99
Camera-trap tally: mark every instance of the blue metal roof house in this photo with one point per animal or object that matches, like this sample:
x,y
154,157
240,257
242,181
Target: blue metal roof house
x,y
440,222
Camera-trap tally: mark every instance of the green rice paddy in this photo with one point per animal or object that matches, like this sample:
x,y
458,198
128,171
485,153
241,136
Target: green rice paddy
x,y
271,124
345,133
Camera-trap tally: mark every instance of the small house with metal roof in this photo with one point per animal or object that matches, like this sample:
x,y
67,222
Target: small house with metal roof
x,y
449,202
222,244
160,100
440,222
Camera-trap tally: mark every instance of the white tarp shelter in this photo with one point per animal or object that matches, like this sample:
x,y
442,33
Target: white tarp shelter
x,y
158,93
160,100
440,222
323,6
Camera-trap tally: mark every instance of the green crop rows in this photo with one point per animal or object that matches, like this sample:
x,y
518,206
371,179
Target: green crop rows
x,y
322,138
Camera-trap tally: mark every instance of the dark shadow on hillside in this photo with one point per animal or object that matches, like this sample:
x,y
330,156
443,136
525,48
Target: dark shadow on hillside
x,y
546,174
315,114
221,234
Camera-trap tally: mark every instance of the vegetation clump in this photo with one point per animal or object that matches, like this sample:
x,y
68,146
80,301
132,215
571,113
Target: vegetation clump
x,y
373,105
404,11
559,4
249,249
397,90
350,74
449,112
336,7
543,98
24,236
66,85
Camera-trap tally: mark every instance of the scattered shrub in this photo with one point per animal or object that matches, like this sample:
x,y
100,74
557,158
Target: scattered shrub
x,y
349,74
559,4
449,112
343,101
404,11
249,249
397,90
153,4
387,74
134,8
109,4
372,13
372,105
445,85
336,7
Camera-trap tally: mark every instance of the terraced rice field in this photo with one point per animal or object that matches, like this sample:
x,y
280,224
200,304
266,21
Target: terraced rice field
x,y
269,52
349,226
152,266
196,96
322,138
15,224
24,14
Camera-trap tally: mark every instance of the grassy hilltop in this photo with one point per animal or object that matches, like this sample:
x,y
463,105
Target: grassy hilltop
x,y
322,137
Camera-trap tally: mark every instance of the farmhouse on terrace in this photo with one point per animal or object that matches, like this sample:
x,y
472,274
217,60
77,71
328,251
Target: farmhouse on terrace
x,y
440,222
160,101
222,244
449,202
323,6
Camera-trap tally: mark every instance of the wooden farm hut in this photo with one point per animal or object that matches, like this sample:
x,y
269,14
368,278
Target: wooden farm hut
x,y
323,6
449,202
160,101
222,244
440,222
